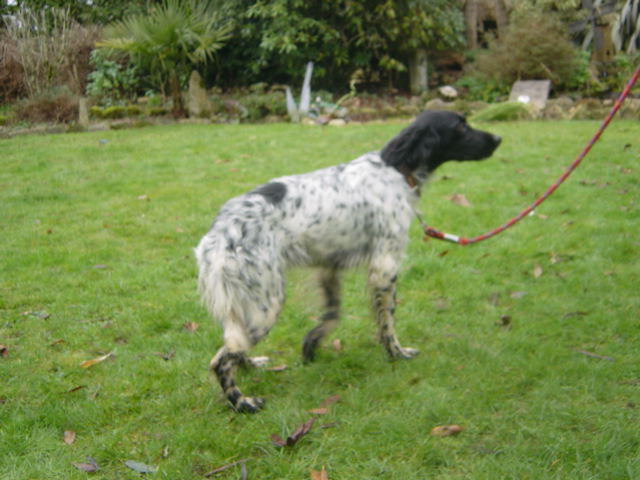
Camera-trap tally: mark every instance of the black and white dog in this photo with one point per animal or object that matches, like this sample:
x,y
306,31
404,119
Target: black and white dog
x,y
351,214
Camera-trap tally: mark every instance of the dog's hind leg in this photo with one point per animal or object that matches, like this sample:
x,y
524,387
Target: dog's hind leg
x,y
382,280
224,366
330,282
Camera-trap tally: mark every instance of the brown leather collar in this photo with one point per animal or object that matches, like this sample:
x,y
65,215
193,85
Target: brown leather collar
x,y
409,178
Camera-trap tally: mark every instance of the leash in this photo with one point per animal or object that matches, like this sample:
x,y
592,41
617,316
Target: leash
x,y
433,233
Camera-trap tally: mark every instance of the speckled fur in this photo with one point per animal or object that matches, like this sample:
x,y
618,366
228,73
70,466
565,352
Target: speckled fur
x,y
357,213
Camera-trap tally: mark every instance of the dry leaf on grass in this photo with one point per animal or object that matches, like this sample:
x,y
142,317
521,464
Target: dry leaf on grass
x,y
69,437
95,361
321,475
191,326
446,430
4,351
90,466
292,439
537,271
460,199
277,368
323,409
140,467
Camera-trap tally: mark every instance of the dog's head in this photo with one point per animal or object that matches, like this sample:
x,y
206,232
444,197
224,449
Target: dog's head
x,y
434,138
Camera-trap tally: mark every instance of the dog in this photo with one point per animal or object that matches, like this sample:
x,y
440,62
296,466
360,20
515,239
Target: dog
x,y
356,213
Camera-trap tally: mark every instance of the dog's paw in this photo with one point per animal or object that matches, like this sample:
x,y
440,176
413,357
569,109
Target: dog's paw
x,y
405,353
249,404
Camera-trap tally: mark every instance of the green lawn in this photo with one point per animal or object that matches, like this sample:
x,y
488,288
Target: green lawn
x,y
530,341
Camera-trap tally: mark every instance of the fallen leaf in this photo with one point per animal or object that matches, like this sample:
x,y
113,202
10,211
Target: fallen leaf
x,y
89,467
330,400
321,475
460,199
277,368
443,253
69,437
319,411
446,430
191,326
4,351
140,467
537,271
95,361
42,314
292,439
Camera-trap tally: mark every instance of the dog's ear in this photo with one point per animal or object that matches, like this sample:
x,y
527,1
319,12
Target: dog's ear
x,y
415,146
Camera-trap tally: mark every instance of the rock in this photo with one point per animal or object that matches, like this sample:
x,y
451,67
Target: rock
x,y
198,104
531,92
448,92
337,122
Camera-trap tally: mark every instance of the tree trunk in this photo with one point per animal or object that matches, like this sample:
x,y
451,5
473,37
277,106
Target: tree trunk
x,y
178,110
419,72
471,19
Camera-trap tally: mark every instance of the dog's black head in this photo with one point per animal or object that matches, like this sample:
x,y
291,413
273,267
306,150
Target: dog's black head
x,y
434,138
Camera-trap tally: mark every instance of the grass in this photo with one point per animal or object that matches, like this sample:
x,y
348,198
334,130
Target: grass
x,y
529,341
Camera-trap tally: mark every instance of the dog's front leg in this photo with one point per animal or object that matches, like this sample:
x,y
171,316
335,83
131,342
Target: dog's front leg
x,y
382,280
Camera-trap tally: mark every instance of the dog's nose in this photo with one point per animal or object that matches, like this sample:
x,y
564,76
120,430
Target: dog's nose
x,y
497,139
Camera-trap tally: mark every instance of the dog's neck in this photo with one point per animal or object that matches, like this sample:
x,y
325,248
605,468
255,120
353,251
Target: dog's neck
x,y
416,178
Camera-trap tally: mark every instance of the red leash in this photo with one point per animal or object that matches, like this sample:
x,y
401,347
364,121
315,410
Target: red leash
x,y
433,233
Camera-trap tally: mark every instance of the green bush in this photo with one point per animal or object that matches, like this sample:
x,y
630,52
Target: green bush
x,y
535,46
111,82
502,112
481,87
116,112
261,105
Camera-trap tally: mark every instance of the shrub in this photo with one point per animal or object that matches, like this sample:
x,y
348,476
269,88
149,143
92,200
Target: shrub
x,y
50,48
11,72
261,105
57,105
504,111
535,46
111,82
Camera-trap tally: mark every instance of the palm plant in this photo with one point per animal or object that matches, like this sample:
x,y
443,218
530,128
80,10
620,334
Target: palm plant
x,y
170,39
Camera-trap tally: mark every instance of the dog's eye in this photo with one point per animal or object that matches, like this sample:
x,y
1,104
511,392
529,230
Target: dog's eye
x,y
461,128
